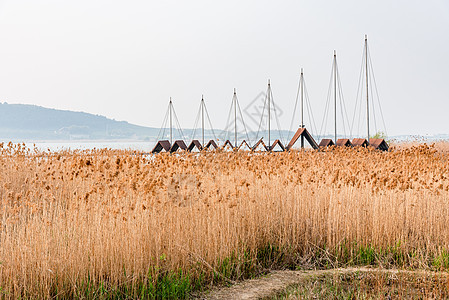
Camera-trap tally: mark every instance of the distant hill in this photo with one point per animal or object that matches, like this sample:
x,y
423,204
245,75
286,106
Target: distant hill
x,y
31,122
22,122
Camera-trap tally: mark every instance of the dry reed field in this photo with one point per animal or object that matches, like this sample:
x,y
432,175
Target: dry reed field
x,y
105,223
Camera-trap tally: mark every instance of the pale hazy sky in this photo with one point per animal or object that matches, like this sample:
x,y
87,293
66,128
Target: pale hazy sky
x,y
124,59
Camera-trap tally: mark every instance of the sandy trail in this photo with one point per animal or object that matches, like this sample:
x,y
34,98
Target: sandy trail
x,y
278,281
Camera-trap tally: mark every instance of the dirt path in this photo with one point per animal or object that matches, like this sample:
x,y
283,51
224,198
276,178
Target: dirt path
x,y
278,281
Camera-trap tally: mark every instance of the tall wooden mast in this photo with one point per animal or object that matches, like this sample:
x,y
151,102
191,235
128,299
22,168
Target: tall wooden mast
x,y
235,118
335,95
269,114
202,118
367,92
301,86
170,108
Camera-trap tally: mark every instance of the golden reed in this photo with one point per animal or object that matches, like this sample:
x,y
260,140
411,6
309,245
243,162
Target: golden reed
x,y
114,216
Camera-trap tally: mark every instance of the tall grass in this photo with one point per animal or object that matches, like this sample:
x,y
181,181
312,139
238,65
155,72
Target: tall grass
x,y
104,222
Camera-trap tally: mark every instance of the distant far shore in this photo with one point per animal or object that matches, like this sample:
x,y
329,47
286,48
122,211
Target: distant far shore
x,y
55,145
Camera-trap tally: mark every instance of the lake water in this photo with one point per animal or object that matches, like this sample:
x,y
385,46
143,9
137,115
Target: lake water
x,y
65,145
147,146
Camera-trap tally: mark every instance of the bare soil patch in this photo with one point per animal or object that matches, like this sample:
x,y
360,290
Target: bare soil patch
x,y
277,282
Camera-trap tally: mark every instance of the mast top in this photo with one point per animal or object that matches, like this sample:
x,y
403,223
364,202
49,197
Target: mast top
x,y
170,100
235,91
335,53
202,97
301,71
366,37
268,81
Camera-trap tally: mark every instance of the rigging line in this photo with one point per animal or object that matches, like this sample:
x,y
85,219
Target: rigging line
x,y
360,110
229,121
360,107
243,121
327,106
333,98
371,91
232,119
377,93
196,122
281,138
372,104
330,106
342,114
274,108
362,88
181,135
261,119
308,107
325,114
164,126
225,131
341,100
294,109
210,123
179,126
343,106
358,90
309,110
344,103
324,122
361,93
310,115
355,112
164,122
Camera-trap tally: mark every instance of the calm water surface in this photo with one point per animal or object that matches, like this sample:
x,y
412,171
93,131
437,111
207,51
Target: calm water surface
x,y
72,145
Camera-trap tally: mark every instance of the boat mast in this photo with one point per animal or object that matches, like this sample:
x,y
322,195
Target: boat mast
x,y
269,114
335,94
170,107
367,93
202,116
235,118
301,86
